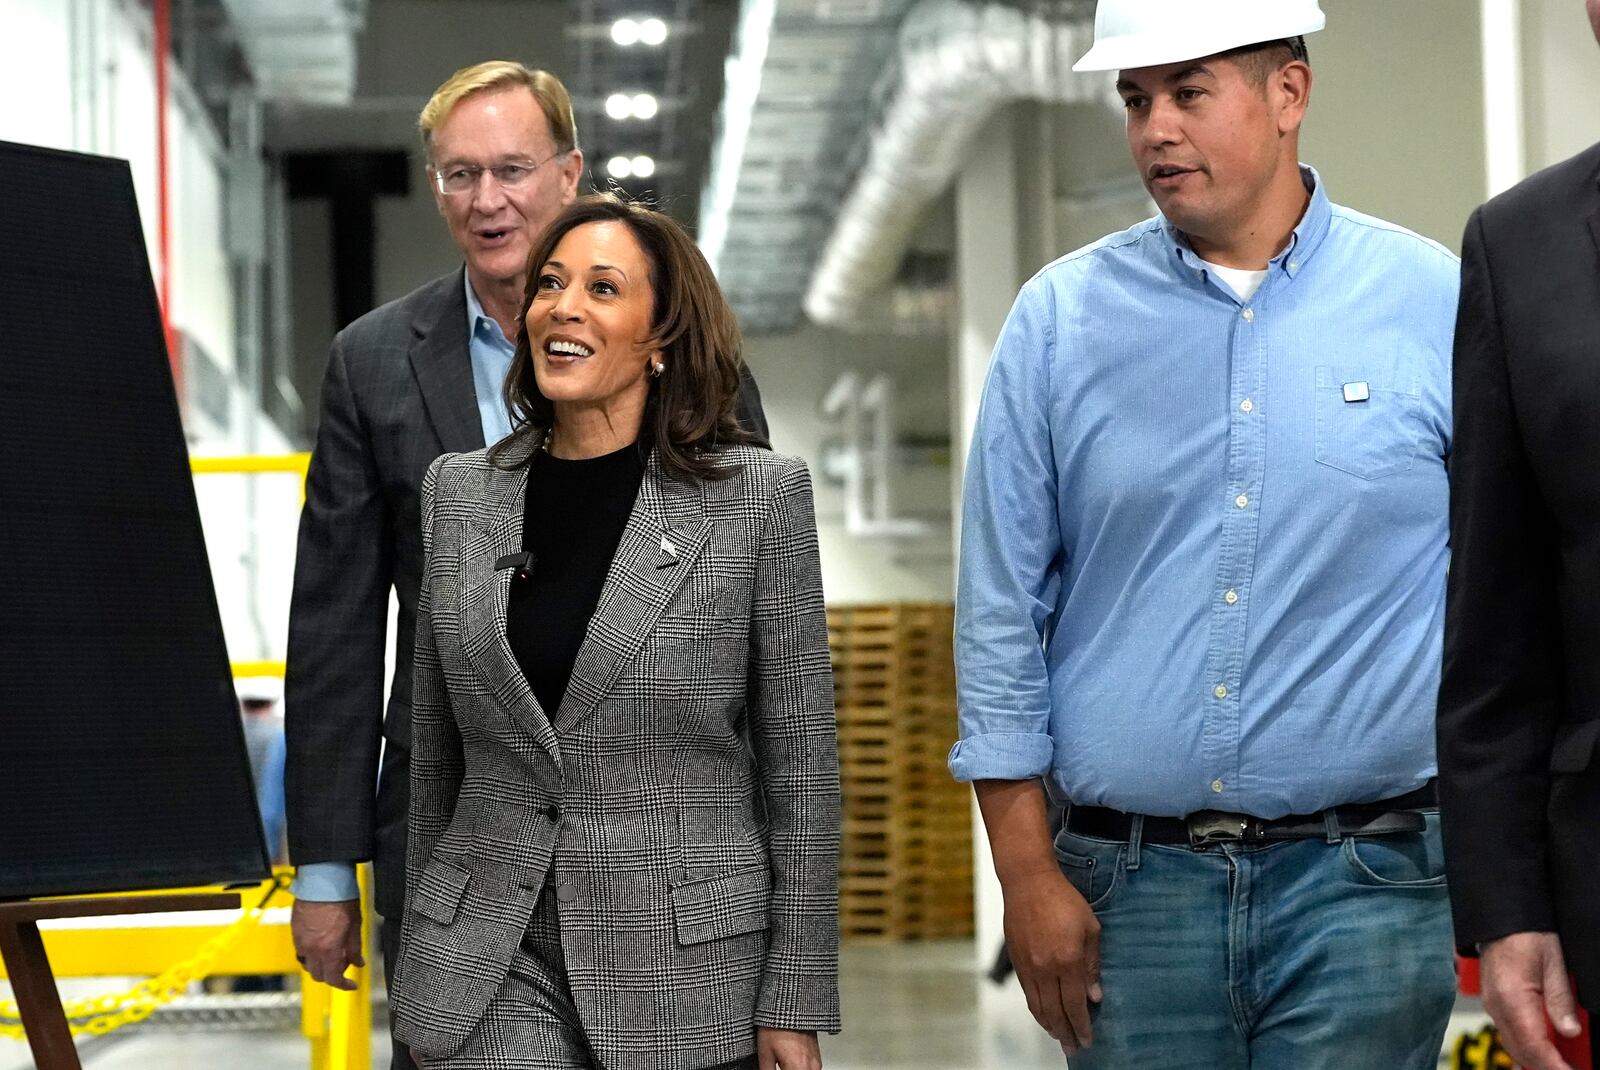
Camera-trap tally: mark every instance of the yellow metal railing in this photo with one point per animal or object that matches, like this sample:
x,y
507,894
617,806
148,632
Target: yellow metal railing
x,y
251,464
175,950
258,668
338,1023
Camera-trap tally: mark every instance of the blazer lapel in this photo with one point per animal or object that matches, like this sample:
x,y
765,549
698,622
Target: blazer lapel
x,y
486,592
443,367
664,535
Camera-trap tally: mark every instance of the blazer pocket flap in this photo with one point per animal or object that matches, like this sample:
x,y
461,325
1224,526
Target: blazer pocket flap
x,y
1575,746
439,891
715,907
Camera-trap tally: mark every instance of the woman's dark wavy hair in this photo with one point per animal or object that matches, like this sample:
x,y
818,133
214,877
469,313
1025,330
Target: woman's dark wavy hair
x,y
689,412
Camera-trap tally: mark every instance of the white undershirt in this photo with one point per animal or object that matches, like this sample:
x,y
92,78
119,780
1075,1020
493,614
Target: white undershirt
x,y
1241,281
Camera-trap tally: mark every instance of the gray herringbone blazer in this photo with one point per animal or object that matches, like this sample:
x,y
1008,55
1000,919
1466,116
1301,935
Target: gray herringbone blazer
x,y
682,802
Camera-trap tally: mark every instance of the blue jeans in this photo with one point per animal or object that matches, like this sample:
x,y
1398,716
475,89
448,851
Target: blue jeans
x,y
1296,955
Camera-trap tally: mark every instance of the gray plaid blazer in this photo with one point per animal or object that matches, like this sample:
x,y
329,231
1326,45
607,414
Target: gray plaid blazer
x,y
682,803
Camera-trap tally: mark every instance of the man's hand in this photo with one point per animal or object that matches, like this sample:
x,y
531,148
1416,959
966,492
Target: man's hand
x,y
1054,939
327,939
1053,936
1525,979
785,1049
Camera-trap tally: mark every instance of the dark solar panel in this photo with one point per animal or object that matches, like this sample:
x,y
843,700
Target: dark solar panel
x,y
122,761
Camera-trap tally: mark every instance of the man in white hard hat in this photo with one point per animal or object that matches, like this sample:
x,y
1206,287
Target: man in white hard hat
x,y
1202,590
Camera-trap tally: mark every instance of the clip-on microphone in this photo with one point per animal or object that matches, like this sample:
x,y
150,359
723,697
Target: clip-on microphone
x,y
522,562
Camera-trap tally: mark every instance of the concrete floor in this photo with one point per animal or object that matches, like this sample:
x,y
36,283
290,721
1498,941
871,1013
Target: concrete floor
x,y
907,1007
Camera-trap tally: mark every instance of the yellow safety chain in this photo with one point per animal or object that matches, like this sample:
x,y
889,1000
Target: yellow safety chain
x,y
1480,1051
99,1015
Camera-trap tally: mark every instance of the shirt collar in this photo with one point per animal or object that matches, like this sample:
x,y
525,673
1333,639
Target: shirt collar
x,y
1303,243
476,315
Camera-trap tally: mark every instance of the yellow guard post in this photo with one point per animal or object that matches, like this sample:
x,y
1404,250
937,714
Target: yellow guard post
x,y
338,1023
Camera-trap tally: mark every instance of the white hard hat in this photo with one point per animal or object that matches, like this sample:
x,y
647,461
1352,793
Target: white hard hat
x,y
1145,33
258,688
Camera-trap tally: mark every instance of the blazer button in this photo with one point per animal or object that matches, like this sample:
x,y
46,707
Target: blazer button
x,y
566,893
553,812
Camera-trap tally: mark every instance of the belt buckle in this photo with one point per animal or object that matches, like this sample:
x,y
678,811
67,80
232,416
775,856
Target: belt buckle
x,y
1215,826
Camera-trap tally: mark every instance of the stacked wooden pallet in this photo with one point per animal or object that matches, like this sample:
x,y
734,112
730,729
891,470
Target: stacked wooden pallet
x,y
906,863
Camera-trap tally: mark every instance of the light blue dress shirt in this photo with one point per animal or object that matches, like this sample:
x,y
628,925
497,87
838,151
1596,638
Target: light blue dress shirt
x,y
491,353
1204,540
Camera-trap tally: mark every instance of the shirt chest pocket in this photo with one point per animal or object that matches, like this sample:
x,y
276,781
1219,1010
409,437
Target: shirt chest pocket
x,y
1366,425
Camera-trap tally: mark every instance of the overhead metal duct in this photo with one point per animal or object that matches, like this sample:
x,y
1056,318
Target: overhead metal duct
x,y
301,51
798,101
959,63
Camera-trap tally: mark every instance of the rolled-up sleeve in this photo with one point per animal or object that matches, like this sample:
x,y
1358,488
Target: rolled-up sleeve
x,y
1011,554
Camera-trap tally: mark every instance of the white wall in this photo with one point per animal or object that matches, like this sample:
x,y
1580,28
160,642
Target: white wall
x,y
35,46
794,372
85,74
1561,79
1396,118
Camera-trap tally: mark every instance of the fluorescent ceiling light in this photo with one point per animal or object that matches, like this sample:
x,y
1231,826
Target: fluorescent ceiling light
x,y
619,105
644,106
642,166
652,31
619,167
625,32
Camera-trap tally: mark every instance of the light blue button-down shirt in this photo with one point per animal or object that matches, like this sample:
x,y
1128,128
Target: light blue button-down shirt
x,y
491,353
1204,540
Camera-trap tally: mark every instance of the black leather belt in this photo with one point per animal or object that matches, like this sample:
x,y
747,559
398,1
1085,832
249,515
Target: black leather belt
x,y
1381,818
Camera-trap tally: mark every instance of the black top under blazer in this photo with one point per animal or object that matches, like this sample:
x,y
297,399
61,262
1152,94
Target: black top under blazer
x,y
682,803
1519,705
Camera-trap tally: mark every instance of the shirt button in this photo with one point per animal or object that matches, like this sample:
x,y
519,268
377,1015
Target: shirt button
x,y
1241,501
1217,786
1232,597
1249,315
553,812
1221,691
1247,405
566,893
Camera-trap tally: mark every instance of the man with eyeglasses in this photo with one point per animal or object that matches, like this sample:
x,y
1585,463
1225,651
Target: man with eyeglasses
x,y
415,378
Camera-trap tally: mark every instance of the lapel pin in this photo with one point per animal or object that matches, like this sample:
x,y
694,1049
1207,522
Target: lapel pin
x,y
1354,392
669,553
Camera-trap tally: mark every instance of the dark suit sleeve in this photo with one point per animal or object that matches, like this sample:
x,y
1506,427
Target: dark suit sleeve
x,y
333,701
747,407
793,737
1500,696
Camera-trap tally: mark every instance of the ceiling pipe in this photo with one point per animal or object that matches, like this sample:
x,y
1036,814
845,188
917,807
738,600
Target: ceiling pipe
x,y
959,63
300,51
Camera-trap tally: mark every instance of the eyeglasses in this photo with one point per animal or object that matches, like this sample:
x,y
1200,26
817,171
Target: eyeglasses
x,y
463,178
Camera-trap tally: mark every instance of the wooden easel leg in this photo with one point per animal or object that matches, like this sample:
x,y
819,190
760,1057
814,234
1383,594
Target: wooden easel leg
x,y
37,997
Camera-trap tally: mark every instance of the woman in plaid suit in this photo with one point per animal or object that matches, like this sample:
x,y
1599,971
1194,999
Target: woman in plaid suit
x,y
624,792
